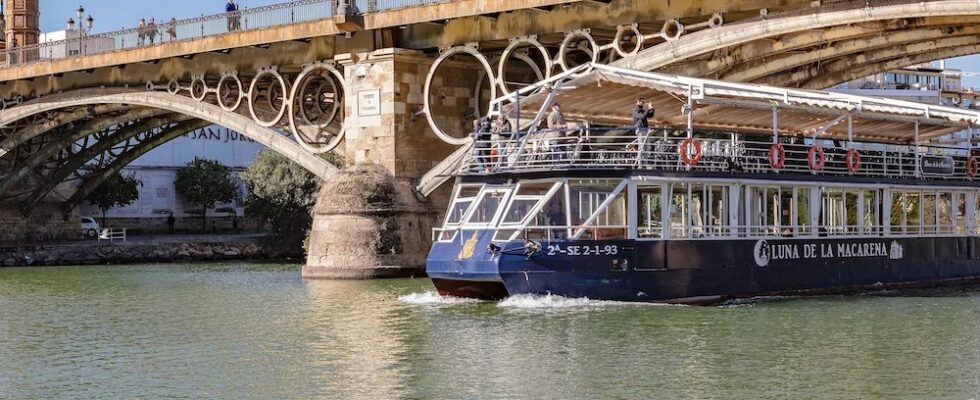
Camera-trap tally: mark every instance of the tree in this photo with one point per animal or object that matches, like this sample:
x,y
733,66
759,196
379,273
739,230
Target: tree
x,y
204,183
116,191
282,193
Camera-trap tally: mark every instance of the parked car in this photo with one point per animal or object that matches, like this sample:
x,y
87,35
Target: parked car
x,y
90,228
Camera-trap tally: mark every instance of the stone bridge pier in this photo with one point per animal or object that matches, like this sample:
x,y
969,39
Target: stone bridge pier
x,y
369,222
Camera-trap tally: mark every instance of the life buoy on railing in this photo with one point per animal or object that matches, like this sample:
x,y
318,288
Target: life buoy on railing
x,y
815,158
853,160
777,156
971,166
687,156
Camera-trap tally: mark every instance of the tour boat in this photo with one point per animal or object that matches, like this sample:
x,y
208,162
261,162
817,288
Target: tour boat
x,y
736,190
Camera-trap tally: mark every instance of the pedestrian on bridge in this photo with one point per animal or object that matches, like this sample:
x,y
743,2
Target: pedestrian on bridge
x,y
232,9
151,30
141,32
172,29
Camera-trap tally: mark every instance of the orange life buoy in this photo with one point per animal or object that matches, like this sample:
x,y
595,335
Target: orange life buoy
x,y
686,156
815,158
777,156
853,160
971,166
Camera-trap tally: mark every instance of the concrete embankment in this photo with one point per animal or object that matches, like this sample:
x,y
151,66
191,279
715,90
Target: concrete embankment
x,y
134,252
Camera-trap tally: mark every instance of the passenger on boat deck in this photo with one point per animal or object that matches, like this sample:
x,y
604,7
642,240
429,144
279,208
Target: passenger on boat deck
x,y
558,128
482,145
641,123
500,136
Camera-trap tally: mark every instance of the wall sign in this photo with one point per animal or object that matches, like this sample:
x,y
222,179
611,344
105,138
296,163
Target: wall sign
x,y
369,102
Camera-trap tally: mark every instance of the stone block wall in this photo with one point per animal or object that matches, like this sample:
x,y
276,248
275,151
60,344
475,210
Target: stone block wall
x,y
44,224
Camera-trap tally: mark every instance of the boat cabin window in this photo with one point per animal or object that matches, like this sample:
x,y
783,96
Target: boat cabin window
x,y
905,212
599,208
769,210
528,198
486,208
464,199
650,206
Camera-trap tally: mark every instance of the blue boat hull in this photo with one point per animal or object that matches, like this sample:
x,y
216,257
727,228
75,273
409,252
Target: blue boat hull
x,y
699,271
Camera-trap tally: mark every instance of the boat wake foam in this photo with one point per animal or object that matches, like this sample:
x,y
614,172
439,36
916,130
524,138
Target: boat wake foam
x,y
528,301
432,298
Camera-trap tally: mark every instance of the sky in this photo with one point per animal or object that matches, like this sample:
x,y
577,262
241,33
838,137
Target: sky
x,y
112,15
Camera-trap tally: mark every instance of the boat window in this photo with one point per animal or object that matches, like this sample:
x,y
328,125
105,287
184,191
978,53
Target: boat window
x,y
803,214
650,205
976,213
528,196
464,199
551,222
518,209
587,197
929,206
870,206
486,209
905,212
679,210
457,211
944,209
770,210
959,215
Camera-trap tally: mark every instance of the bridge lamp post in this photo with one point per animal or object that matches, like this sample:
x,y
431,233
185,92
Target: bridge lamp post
x,y
82,29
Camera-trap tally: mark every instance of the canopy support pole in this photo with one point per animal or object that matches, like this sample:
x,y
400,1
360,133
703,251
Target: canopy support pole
x,y
918,170
775,124
517,101
850,130
690,117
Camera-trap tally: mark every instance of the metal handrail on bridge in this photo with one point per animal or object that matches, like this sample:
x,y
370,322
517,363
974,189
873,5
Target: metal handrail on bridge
x,y
193,28
670,150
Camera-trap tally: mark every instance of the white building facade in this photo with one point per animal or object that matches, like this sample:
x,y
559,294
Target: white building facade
x,y
157,171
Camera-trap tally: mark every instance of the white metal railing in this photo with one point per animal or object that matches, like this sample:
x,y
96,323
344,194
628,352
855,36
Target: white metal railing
x,y
660,150
112,235
166,31
693,232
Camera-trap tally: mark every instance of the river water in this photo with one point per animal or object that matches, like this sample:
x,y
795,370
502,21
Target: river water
x,y
252,331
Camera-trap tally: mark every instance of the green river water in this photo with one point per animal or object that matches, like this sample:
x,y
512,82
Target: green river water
x,y
253,331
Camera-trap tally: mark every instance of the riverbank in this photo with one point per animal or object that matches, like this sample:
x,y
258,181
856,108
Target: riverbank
x,y
155,249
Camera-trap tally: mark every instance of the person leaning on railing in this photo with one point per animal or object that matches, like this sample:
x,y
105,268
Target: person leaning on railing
x,y
500,137
557,132
482,142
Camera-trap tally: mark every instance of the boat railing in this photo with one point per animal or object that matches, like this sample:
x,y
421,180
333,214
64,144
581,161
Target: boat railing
x,y
701,232
662,149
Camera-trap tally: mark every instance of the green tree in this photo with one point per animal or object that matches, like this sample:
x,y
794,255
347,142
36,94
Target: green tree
x,y
204,183
116,191
282,193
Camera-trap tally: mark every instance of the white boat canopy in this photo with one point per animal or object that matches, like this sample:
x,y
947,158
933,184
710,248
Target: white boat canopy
x,y
605,95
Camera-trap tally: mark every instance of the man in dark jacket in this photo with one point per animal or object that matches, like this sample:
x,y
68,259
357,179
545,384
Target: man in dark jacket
x,y
641,115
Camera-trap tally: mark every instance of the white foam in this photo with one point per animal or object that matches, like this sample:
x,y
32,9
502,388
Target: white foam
x,y
432,298
529,301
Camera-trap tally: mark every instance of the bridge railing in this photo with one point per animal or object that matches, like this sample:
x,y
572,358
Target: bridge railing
x,y
166,31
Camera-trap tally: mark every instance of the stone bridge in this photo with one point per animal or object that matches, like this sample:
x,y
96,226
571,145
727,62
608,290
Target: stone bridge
x,y
389,90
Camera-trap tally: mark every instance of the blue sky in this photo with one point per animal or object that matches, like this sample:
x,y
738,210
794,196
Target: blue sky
x,y
111,15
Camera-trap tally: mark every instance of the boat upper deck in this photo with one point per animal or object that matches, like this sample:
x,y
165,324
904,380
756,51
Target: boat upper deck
x,y
712,126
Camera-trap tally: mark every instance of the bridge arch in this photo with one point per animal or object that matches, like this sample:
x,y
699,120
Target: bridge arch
x,y
176,104
719,41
